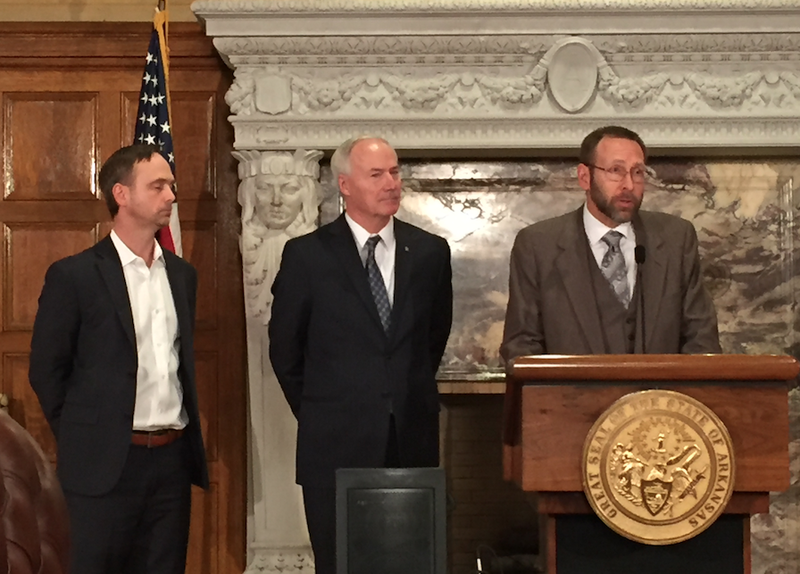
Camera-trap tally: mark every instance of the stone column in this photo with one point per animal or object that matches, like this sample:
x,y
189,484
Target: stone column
x,y
279,194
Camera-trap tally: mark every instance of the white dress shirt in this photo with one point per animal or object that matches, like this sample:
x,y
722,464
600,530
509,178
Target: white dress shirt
x,y
384,250
595,231
159,396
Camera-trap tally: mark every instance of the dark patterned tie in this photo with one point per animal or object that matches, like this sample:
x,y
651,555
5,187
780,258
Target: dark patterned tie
x,y
376,284
614,268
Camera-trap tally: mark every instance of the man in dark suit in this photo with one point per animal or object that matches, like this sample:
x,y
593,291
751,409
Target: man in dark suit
x,y
360,319
112,363
591,281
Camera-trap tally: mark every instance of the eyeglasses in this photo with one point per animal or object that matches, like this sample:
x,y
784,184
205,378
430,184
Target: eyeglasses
x,y
617,173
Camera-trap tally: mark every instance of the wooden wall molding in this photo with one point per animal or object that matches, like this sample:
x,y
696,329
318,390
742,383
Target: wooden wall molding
x,y
100,45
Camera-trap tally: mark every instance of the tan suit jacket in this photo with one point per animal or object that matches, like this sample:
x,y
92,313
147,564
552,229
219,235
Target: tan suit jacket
x,y
552,307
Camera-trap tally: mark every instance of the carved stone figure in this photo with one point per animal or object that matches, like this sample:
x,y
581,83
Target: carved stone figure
x,y
279,194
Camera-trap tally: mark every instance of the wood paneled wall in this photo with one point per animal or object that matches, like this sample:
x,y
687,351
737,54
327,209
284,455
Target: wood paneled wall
x,y
68,95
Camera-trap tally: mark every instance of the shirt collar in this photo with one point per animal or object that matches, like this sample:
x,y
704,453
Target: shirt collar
x,y
361,235
127,256
595,229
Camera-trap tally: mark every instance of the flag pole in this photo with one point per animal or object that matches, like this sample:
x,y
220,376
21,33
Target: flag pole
x,y
154,123
161,21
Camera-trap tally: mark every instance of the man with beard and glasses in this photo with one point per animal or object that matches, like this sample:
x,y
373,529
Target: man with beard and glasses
x,y
574,286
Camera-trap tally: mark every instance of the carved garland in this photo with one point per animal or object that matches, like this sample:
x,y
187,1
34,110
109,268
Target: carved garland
x,y
428,91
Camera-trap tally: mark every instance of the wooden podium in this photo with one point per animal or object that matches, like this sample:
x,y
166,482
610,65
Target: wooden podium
x,y
552,401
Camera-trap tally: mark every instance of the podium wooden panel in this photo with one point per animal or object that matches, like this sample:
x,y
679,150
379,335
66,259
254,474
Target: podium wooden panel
x,y
552,402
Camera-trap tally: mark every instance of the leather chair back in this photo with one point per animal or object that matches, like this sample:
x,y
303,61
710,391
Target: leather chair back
x,y
33,517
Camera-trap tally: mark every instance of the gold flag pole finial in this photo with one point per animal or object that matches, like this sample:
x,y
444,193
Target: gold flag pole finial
x,y
162,9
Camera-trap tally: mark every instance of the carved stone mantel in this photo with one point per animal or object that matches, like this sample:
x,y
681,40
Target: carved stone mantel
x,y
502,74
466,77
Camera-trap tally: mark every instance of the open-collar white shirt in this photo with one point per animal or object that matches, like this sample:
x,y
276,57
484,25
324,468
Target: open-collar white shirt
x,y
159,396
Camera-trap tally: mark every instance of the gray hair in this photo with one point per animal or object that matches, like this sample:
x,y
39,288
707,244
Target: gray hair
x,y
340,160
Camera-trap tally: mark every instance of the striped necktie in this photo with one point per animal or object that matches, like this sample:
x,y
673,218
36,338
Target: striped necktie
x,y
376,284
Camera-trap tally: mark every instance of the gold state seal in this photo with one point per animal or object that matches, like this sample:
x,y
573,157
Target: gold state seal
x,y
658,467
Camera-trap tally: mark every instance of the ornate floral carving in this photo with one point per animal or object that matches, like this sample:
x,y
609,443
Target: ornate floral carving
x,y
241,93
439,81
632,93
486,92
282,562
328,94
507,49
487,132
420,50
527,89
418,93
724,92
752,90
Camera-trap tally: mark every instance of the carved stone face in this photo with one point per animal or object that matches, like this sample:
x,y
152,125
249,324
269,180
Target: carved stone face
x,y
278,199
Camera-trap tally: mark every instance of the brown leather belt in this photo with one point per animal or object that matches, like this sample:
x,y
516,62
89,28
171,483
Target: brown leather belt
x,y
152,439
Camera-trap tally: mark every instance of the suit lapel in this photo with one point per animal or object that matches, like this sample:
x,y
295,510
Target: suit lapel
x,y
344,246
179,296
110,269
654,272
573,265
403,262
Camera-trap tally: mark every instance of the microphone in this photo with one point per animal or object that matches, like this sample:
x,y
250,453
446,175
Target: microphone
x,y
640,254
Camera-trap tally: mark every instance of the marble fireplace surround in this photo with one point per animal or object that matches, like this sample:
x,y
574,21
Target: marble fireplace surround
x,y
474,78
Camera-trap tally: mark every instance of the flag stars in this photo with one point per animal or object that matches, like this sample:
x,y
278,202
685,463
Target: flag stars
x,y
153,125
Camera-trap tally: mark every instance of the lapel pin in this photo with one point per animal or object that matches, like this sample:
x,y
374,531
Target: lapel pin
x,y
406,248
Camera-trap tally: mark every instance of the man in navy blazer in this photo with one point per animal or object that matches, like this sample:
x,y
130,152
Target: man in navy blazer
x,y
360,319
112,364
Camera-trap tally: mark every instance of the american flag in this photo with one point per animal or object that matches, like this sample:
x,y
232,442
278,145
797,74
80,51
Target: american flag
x,y
153,118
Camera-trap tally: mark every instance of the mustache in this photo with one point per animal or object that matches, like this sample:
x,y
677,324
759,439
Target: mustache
x,y
627,195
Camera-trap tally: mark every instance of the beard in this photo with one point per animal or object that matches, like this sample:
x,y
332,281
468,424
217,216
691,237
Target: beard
x,y
607,206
